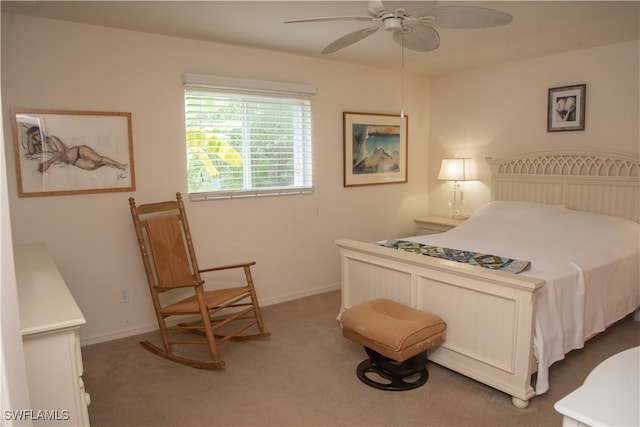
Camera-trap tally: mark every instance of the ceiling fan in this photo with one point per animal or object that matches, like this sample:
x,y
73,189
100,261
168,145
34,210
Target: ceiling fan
x,y
412,22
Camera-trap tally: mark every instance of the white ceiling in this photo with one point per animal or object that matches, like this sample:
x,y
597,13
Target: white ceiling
x,y
538,28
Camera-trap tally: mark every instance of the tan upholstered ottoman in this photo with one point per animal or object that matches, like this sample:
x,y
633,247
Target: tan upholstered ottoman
x,y
396,338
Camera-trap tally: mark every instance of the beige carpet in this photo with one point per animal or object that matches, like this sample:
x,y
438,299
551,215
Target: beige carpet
x,y
304,375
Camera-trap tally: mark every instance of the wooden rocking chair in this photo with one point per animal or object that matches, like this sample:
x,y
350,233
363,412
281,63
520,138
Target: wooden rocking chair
x,y
170,264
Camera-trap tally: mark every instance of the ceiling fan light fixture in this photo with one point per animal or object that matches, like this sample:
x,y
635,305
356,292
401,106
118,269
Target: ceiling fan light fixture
x,y
393,24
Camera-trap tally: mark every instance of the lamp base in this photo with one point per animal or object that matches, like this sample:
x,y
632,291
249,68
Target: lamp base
x,y
456,201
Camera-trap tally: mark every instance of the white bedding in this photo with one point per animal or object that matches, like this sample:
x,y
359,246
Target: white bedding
x,y
590,264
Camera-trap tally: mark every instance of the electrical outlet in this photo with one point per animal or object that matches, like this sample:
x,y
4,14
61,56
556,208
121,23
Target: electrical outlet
x,y
124,295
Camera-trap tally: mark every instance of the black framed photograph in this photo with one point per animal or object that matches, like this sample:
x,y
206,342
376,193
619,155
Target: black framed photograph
x,y
375,149
566,108
72,152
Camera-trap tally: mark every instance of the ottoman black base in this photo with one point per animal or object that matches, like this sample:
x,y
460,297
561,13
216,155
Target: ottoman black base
x,y
394,376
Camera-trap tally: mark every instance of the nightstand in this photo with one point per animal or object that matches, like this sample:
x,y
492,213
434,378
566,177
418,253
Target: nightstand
x,y
436,224
608,396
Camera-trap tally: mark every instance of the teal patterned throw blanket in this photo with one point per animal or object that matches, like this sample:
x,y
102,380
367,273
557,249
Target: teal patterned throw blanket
x,y
492,262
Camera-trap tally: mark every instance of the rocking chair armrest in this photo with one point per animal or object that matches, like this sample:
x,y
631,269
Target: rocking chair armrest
x,y
227,267
179,285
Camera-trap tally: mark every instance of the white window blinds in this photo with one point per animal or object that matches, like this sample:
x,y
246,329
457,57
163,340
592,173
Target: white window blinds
x,y
247,137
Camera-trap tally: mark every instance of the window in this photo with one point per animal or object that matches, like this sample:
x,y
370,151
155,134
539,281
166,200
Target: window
x,y
247,138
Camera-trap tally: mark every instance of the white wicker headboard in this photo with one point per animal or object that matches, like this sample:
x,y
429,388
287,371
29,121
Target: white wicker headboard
x,y
594,181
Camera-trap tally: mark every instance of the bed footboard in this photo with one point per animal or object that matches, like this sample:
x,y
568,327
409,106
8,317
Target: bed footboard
x,y
489,314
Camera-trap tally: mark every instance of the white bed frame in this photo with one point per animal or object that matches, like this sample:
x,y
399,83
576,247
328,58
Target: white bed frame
x,y
490,314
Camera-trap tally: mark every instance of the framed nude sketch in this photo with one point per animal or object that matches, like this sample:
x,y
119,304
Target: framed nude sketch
x,y
375,149
566,108
72,152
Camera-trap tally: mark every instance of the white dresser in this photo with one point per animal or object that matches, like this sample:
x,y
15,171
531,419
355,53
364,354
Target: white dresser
x,y
50,319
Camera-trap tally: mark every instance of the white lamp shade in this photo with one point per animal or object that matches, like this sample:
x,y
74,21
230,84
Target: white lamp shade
x,y
456,169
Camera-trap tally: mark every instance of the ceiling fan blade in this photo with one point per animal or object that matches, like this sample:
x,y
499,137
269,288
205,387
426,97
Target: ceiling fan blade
x,y
331,18
421,38
412,8
350,39
463,17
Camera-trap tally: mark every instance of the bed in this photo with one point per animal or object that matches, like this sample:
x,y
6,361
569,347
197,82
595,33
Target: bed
x,y
503,326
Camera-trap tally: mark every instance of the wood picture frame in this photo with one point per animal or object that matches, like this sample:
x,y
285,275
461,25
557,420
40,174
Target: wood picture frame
x,y
566,108
375,149
72,152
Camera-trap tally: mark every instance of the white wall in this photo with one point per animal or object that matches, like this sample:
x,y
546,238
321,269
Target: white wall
x,y
49,64
14,392
501,110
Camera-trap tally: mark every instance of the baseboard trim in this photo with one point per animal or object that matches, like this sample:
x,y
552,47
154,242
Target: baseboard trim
x,y
112,336
306,293
141,329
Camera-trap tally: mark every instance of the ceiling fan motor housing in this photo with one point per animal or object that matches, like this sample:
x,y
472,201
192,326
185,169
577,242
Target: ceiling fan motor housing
x,y
392,23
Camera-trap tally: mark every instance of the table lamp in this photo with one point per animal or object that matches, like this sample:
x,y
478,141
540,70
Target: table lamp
x,y
456,169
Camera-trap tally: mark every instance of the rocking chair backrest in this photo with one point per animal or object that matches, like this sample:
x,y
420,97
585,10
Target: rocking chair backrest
x,y
165,243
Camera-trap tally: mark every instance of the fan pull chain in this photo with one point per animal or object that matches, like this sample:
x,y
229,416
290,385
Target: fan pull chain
x,y
402,80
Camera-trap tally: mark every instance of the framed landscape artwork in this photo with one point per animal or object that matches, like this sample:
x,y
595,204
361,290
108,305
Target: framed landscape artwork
x,y
375,149
72,152
566,108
